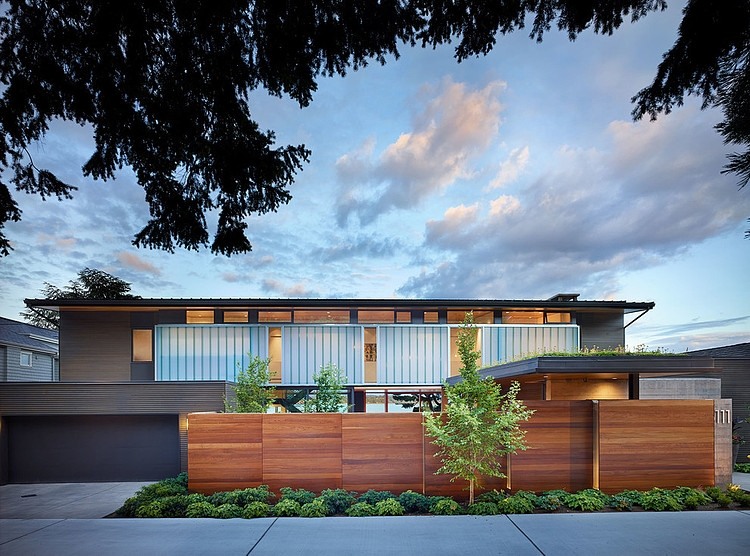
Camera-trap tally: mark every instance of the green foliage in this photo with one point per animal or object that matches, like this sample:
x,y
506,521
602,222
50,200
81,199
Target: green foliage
x,y
374,496
90,284
588,500
245,496
390,506
152,509
287,507
414,502
228,511
659,500
495,496
742,467
330,381
256,509
316,508
481,423
723,500
252,393
552,500
690,497
337,500
168,487
714,492
516,505
360,509
445,506
301,496
176,506
483,508
201,509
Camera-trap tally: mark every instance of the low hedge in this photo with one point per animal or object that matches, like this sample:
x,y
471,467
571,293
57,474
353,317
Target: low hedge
x,y
170,498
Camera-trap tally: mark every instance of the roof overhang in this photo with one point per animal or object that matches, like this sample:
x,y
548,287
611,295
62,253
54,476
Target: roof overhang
x,y
656,365
261,303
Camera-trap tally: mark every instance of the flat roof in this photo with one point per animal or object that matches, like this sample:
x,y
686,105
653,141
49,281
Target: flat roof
x,y
262,303
643,364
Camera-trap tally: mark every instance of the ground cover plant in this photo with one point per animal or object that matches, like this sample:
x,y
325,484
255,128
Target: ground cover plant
x,y
170,499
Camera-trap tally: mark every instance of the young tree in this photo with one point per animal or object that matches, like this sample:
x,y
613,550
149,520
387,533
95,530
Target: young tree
x,y
90,284
252,393
330,381
481,424
165,86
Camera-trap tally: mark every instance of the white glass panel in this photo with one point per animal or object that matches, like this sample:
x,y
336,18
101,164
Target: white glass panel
x,y
505,343
412,354
205,352
305,349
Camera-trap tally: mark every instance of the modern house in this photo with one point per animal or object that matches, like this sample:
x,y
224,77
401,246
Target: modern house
x,y
131,370
27,353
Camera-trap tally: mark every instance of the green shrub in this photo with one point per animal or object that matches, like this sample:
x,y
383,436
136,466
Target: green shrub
x,y
516,505
723,500
552,500
495,496
287,507
228,511
690,497
742,467
168,487
152,509
660,500
483,508
301,496
176,506
200,509
530,496
360,509
635,497
179,480
372,497
714,493
338,500
256,509
445,506
316,508
389,506
243,497
620,503
414,502
219,498
588,500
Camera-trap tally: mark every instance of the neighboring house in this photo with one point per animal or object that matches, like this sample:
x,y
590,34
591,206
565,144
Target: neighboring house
x,y
27,353
131,370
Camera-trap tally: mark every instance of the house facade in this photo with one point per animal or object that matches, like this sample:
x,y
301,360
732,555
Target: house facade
x,y
131,370
27,353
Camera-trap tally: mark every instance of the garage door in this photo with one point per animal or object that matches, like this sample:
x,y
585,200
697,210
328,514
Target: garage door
x,y
52,449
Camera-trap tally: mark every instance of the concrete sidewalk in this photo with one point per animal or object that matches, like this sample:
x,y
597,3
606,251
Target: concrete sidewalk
x,y
696,533
62,519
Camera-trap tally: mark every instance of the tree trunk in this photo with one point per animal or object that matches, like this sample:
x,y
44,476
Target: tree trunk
x,y
471,491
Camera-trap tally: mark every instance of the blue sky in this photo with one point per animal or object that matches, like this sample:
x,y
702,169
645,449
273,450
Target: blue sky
x,y
513,176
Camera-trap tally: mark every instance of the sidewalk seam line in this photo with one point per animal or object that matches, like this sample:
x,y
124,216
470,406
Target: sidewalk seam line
x,y
525,535
261,537
32,532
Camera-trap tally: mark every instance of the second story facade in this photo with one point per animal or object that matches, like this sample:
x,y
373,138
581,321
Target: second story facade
x,y
377,342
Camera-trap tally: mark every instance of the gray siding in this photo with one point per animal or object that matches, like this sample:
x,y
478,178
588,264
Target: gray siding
x,y
735,384
42,366
601,330
95,346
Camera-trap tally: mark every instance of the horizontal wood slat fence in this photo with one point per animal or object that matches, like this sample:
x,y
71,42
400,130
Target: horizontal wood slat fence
x,y
612,445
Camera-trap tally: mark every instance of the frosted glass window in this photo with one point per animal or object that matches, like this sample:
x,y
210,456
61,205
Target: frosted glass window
x,y
305,349
199,317
413,354
235,316
371,317
142,349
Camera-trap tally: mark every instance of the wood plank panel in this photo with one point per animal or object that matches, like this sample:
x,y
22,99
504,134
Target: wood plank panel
x,y
382,449
225,451
441,485
302,451
655,443
559,437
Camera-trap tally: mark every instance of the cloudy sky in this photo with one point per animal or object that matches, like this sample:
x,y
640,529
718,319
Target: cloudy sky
x,y
513,176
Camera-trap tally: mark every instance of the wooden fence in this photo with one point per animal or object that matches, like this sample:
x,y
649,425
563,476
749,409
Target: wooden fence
x,y
612,445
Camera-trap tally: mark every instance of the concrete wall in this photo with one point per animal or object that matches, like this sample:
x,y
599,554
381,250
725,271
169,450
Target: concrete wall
x,y
680,389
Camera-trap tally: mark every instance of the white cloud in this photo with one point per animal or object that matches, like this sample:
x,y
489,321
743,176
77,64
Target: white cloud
x,y
295,290
135,262
455,127
639,201
511,168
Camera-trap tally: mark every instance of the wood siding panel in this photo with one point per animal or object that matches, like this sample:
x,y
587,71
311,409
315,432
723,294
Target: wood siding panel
x,y
382,449
225,451
95,346
302,451
601,330
559,437
655,443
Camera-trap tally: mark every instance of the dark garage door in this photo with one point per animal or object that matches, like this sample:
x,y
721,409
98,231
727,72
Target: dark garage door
x,y
74,448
